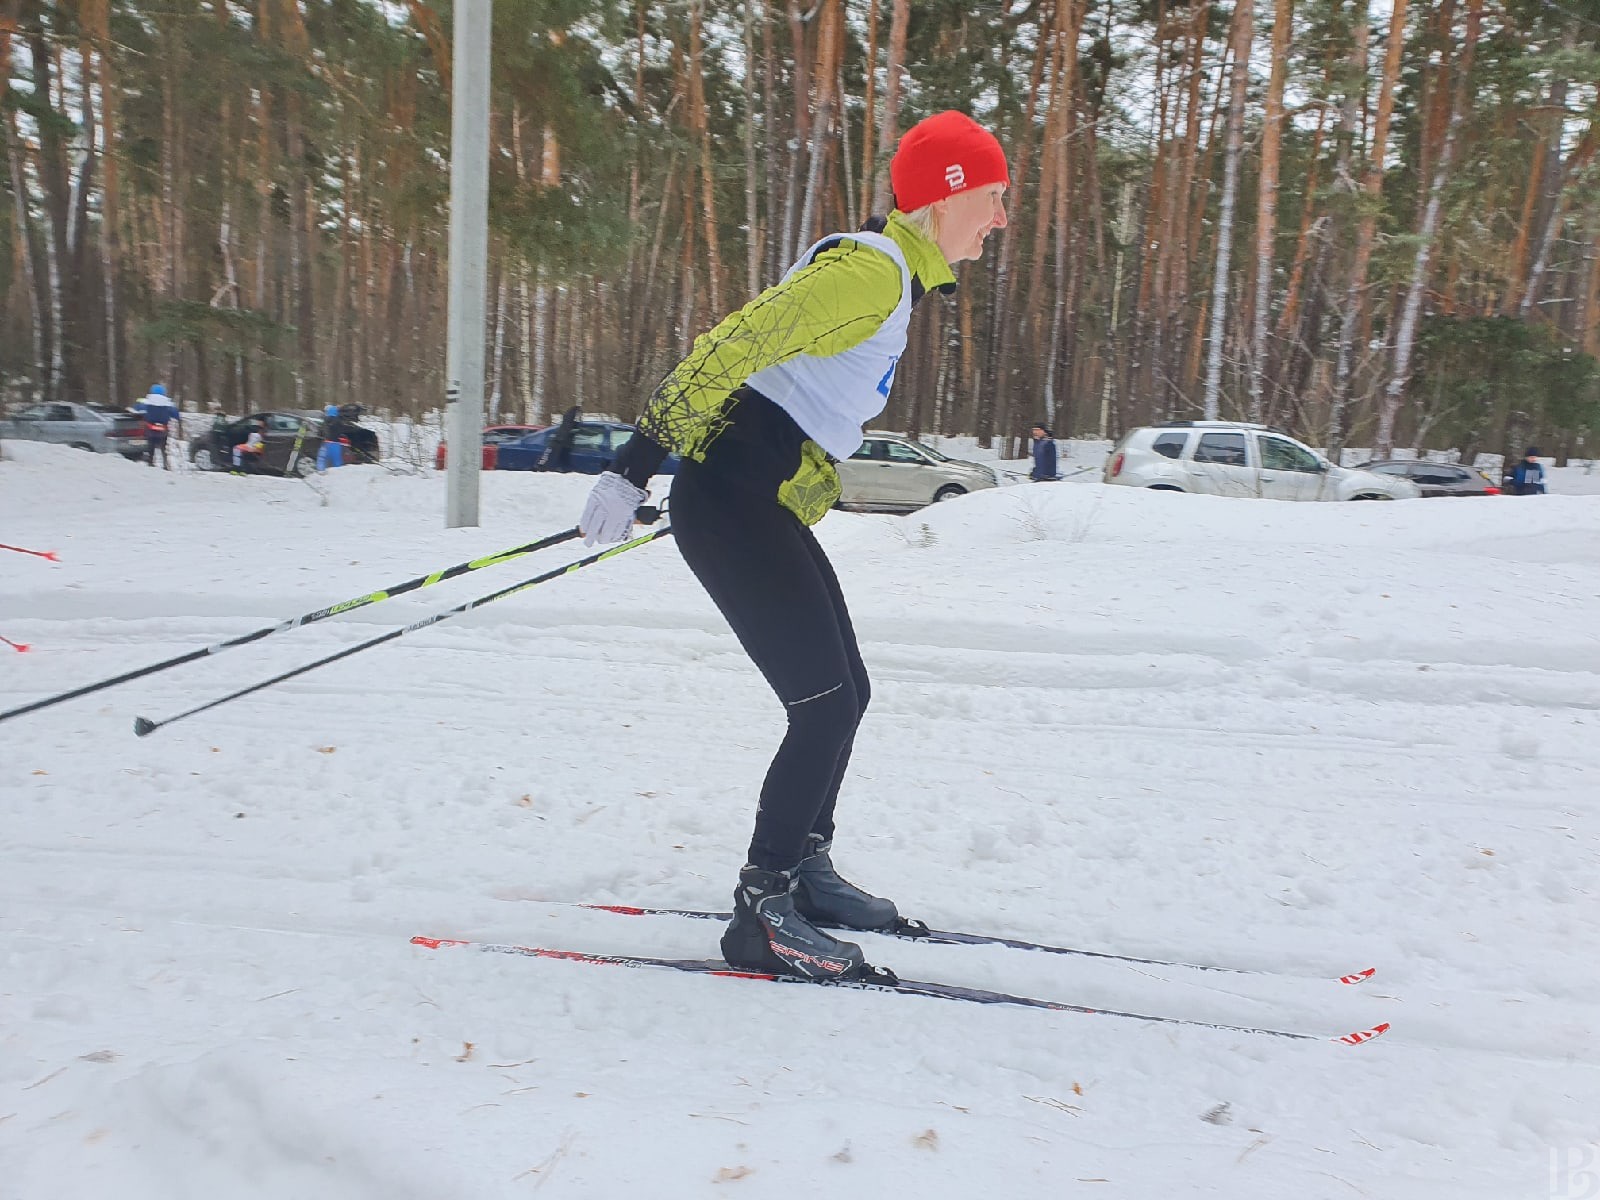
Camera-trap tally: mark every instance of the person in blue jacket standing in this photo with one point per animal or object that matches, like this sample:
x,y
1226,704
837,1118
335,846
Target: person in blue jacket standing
x,y
1527,477
160,419
1044,455
331,453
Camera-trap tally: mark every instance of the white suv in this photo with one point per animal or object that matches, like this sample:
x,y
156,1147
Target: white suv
x,y
1229,458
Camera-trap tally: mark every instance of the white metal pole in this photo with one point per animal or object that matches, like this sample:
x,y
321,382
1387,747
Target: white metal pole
x,y
469,252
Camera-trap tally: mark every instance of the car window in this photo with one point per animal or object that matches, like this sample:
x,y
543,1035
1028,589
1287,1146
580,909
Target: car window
x,y
620,438
1224,448
588,437
60,412
281,423
1388,469
1170,445
869,450
1438,474
1280,455
901,453
34,412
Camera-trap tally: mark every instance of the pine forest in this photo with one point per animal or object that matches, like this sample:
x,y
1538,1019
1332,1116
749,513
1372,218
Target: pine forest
x,y
1369,222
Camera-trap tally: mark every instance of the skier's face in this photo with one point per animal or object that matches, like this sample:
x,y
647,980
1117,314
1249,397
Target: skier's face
x,y
966,218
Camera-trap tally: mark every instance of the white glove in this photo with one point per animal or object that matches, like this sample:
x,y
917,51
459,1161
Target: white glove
x,y
609,514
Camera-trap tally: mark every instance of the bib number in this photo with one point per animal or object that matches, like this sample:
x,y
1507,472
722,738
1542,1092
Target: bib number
x,y
887,381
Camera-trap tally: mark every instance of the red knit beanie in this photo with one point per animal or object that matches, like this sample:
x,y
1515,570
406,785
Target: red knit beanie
x,y
945,154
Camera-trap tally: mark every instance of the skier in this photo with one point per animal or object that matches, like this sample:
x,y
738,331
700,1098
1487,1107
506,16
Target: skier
x,y
759,412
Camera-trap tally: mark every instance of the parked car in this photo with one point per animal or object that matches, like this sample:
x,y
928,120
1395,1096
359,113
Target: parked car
x,y
897,473
1231,458
102,428
494,437
1437,479
292,440
292,437
594,445
362,442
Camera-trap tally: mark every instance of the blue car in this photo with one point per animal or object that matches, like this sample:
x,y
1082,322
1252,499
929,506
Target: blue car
x,y
594,445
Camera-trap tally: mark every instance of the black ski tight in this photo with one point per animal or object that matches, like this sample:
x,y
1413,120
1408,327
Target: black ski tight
x,y
765,571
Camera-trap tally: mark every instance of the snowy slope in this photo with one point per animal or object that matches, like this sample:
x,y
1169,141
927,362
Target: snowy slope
x,y
1304,739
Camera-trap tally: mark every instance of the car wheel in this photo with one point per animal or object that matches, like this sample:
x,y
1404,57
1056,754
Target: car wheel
x,y
82,446
305,466
1371,496
949,492
202,460
1163,487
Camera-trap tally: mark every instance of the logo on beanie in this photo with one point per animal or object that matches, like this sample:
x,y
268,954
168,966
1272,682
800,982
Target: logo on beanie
x,y
955,177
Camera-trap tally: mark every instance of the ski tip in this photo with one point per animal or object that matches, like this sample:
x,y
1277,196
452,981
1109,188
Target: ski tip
x,y
1363,1035
1359,976
435,943
626,910
143,726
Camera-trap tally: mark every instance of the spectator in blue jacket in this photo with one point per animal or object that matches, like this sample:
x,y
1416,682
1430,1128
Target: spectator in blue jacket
x,y
1527,477
1044,455
160,419
331,453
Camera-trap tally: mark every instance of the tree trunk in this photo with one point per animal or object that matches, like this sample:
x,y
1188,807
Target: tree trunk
x,y
1406,329
497,360
889,122
822,74
25,252
698,121
802,129
1244,28
1575,162
1366,235
869,169
1267,205
753,239
1002,332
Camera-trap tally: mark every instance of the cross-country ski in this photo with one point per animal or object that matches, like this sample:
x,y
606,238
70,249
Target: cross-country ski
x,y
890,983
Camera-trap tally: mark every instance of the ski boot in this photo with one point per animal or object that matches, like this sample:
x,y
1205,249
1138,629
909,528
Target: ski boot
x,y
767,934
826,898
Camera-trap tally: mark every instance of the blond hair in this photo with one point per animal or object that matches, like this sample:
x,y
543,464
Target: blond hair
x,y
924,220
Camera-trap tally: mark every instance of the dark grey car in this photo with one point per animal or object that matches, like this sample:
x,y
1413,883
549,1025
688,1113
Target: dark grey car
x,y
96,427
1437,479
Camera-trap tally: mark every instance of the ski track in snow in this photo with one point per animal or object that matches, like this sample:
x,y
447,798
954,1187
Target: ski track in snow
x,y
1299,739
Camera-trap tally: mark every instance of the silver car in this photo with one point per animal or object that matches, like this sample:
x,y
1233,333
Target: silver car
x,y
899,474
96,427
1231,458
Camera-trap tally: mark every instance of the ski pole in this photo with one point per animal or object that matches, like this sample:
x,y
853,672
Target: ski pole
x,y
50,554
143,726
410,585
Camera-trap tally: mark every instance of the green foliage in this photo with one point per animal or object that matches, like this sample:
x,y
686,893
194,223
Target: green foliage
x,y
1479,374
232,331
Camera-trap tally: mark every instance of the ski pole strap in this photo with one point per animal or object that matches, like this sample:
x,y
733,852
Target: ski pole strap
x,y
333,610
143,726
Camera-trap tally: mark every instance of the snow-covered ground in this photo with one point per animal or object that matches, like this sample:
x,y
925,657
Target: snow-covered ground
x,y
1305,739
